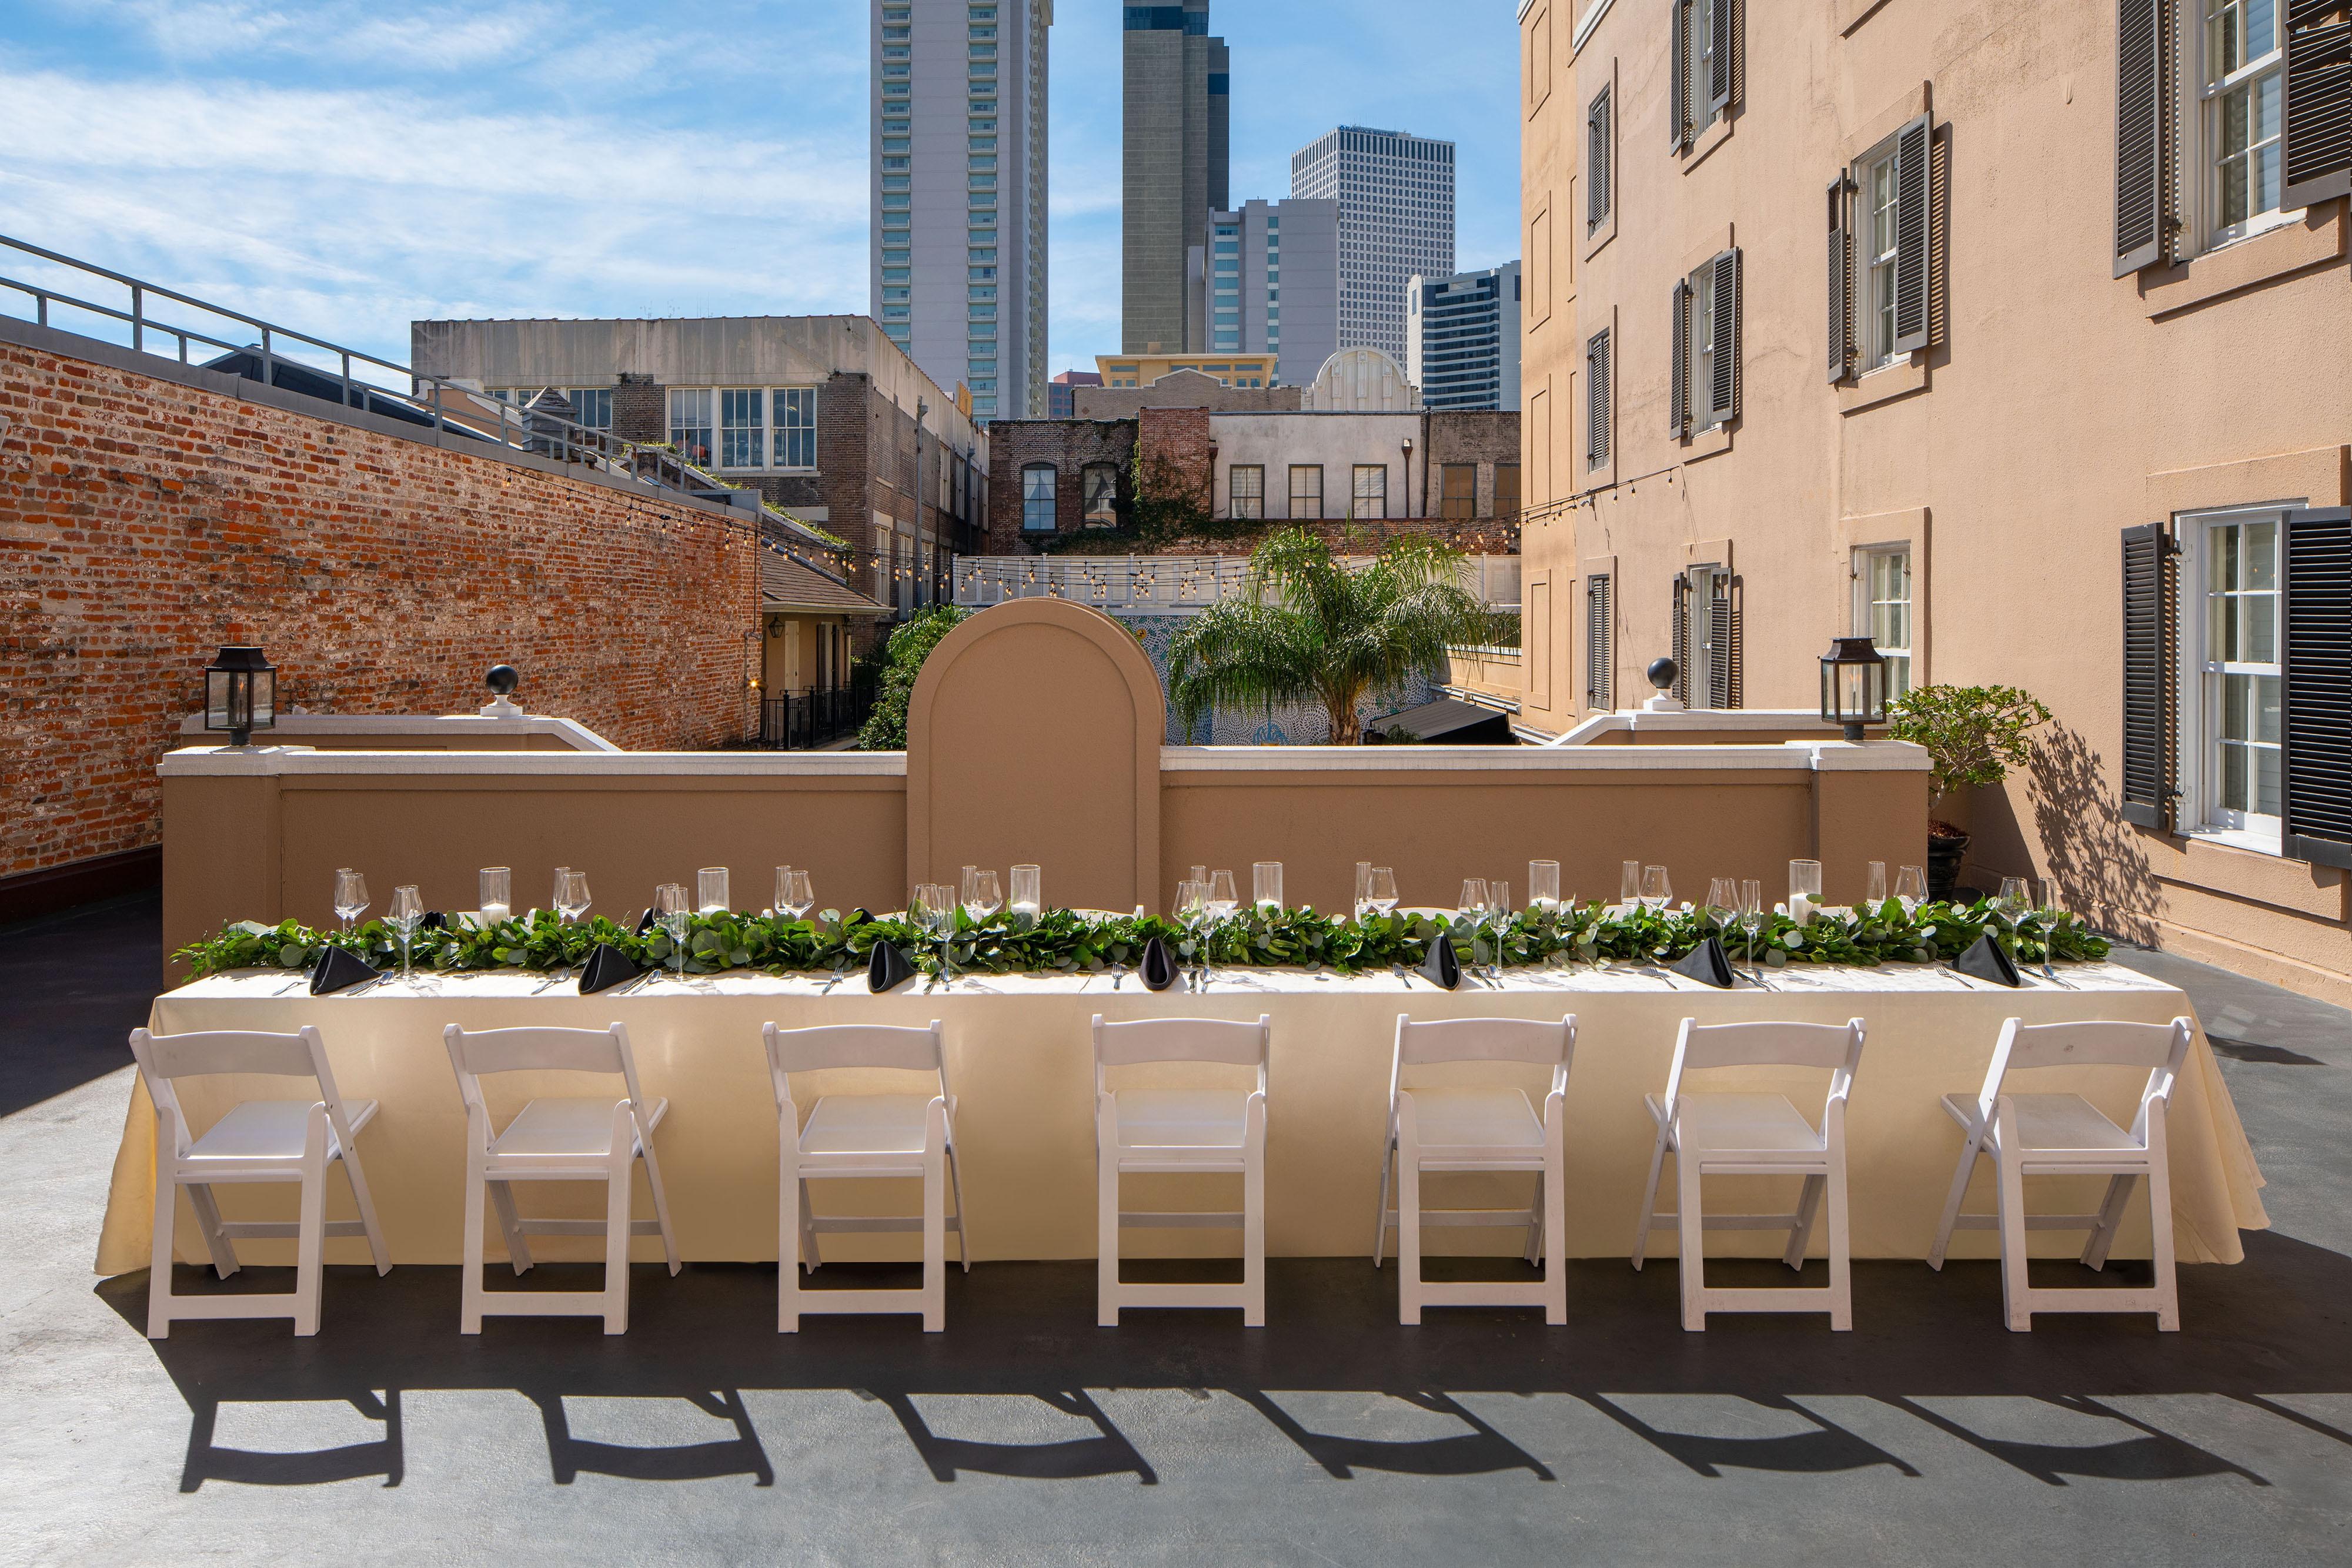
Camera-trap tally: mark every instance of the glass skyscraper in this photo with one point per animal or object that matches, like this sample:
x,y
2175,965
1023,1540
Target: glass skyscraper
x,y
1395,192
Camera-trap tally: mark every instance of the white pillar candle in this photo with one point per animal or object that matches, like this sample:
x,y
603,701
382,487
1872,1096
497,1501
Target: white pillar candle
x,y
495,911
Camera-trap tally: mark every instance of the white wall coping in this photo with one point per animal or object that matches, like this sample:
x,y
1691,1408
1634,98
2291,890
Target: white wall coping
x,y
298,762
294,726
1792,756
1687,720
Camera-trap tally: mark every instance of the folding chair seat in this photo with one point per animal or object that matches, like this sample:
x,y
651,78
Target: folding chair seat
x,y
2065,1134
1142,1130
257,1140
864,1136
1468,1128
1754,1134
579,1138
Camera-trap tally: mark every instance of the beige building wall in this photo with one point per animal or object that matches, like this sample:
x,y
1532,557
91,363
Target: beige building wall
x,y
2054,406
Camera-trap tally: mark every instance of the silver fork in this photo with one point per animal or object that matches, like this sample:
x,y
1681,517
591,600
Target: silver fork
x,y
837,970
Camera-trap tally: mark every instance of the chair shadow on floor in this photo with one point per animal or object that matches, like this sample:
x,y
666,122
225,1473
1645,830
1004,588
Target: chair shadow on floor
x,y
1479,1451
2153,1455
1827,1448
740,1454
207,1462
1109,1453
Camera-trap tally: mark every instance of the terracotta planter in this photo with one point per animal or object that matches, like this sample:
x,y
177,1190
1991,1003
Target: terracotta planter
x,y
1944,857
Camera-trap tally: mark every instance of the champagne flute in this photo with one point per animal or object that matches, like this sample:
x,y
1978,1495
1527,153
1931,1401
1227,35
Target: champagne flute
x,y
784,888
1191,903
1911,890
1223,899
1751,916
1363,889
2053,915
1498,905
1629,885
406,910
673,914
351,896
1877,896
1470,909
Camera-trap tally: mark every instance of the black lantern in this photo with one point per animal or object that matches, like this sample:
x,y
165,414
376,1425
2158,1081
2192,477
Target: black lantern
x,y
240,693
1854,684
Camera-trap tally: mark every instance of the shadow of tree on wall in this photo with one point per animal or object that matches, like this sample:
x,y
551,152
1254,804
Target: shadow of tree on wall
x,y
2096,855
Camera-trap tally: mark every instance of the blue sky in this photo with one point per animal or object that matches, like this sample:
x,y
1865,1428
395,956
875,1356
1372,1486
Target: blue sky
x,y
341,166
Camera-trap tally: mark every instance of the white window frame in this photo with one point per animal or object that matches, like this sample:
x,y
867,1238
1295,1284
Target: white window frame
x,y
1698,630
704,420
792,422
1866,602
1358,499
2205,94
1698,330
2199,719
1698,68
727,436
1874,270
1248,501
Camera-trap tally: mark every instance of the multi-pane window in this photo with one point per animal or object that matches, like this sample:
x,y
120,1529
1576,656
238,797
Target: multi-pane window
x,y
1037,500
1881,608
1880,241
689,423
1698,56
1102,495
1507,490
1306,490
1245,485
592,407
740,431
1371,496
2239,685
1459,494
2244,81
795,426
1698,387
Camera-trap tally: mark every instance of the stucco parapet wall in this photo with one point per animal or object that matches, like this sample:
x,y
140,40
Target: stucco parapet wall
x,y
301,762
1795,757
1688,721
442,729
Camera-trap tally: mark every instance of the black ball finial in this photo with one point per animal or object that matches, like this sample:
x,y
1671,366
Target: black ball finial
x,y
502,679
1662,673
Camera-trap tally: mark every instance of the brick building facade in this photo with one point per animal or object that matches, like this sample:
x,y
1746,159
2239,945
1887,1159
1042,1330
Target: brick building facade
x,y
150,512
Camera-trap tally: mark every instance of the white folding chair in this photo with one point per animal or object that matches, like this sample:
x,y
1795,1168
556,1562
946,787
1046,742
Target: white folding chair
x,y
864,1136
552,1138
1754,1134
1477,1129
257,1140
1190,1131
2065,1134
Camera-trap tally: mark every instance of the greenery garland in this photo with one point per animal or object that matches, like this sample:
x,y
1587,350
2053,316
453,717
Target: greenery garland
x,y
1063,941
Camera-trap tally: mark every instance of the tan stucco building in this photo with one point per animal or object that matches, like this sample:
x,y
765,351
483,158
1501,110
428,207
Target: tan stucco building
x,y
1910,317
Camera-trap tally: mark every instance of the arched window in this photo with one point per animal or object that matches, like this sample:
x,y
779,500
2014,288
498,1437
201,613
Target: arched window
x,y
1037,499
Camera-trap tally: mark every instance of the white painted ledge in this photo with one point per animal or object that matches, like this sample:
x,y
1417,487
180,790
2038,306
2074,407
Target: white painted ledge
x,y
1685,721
1798,756
229,761
447,728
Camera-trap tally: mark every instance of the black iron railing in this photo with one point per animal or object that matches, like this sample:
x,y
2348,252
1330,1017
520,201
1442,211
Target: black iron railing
x,y
804,721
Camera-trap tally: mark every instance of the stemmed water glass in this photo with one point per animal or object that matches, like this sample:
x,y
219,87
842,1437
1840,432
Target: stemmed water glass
x,y
1657,888
1752,917
795,893
1223,899
2053,911
1910,890
1471,910
1191,906
673,914
1383,895
1498,911
933,907
2011,903
406,912
351,896
1722,900
982,896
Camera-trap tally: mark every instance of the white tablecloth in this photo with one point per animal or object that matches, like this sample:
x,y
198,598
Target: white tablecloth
x,y
1020,1061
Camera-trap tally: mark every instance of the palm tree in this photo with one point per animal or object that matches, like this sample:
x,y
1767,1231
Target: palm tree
x,y
1310,629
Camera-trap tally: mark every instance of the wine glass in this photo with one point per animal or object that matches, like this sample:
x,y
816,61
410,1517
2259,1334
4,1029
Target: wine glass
x,y
1657,888
1910,890
982,896
497,901
796,895
1629,885
1384,890
1752,917
1722,900
1877,896
2014,898
406,911
570,894
672,913
351,896
1470,911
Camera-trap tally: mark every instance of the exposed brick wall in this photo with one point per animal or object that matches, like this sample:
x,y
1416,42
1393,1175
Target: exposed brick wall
x,y
640,409
1070,445
144,521
1481,436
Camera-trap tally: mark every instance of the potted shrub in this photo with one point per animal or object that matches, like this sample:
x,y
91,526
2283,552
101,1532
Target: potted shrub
x,y
1974,736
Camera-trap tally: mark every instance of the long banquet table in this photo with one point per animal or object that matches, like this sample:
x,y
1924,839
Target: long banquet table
x,y
1019,1061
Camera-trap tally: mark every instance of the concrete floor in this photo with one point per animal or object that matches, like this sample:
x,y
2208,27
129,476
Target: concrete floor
x,y
1024,1434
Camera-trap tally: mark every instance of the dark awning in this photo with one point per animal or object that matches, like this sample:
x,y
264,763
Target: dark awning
x,y
1456,722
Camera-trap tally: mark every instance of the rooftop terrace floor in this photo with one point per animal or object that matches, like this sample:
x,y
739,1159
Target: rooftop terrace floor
x,y
1025,1434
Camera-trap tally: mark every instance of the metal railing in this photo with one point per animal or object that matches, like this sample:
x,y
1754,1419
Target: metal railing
x,y
1148,584
806,720
284,357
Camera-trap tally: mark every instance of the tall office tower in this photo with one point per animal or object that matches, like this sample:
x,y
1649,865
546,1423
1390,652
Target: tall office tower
x,y
1395,192
1267,281
1176,85
1462,338
959,245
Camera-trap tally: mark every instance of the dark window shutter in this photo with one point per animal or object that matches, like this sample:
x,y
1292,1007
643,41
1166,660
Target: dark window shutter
x,y
1596,127
1682,639
1722,41
1596,411
2147,771
1678,76
2317,724
1723,397
1911,196
1723,631
1841,284
1678,341
2143,133
2318,134
1599,654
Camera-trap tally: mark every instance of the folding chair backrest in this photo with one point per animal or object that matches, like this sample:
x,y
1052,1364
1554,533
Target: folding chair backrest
x,y
1420,1043
1834,1046
895,1046
2158,1049
163,1058
1181,1039
476,1053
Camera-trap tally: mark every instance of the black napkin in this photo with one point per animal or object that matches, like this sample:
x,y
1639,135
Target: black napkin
x,y
1988,960
606,966
434,920
1443,967
647,922
887,968
1707,964
339,970
1158,966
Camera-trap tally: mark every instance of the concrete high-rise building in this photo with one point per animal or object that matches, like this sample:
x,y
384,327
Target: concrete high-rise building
x,y
1395,192
1176,92
958,196
1264,279
1462,338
